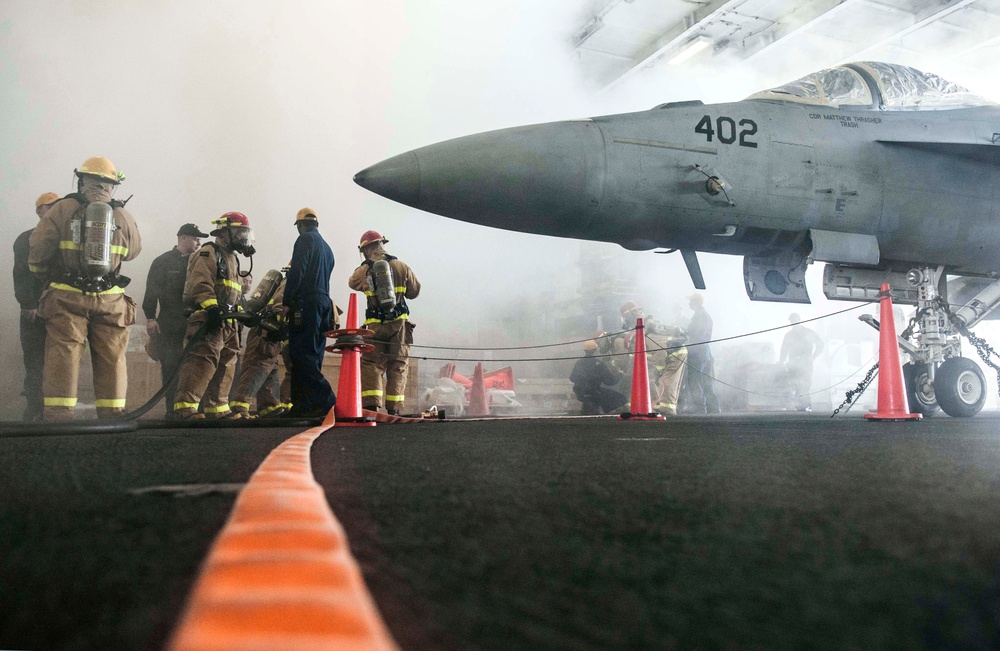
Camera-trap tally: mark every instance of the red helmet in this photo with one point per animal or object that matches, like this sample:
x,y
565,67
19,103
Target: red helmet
x,y
233,219
236,219
627,307
370,237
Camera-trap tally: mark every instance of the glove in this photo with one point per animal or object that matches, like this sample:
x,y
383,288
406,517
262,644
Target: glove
x,y
249,319
213,316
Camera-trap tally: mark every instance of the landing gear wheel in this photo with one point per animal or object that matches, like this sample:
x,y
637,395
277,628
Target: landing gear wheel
x,y
920,389
960,387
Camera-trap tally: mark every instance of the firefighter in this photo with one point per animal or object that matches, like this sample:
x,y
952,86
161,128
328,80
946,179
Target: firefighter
x,y
387,287
212,343
163,305
306,303
79,246
258,376
667,361
27,289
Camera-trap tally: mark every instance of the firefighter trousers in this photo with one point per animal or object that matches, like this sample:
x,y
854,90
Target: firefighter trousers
x,y
258,376
668,371
207,371
73,318
384,370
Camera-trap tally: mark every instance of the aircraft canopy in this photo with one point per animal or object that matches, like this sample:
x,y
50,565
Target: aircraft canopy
x,y
870,84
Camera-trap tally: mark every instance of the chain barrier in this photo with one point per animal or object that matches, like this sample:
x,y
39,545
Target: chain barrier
x,y
654,346
855,393
602,336
605,335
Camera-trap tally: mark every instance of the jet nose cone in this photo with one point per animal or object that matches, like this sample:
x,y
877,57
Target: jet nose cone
x,y
546,178
396,178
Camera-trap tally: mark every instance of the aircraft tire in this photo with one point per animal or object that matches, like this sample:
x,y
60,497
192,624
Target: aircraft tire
x,y
919,391
960,387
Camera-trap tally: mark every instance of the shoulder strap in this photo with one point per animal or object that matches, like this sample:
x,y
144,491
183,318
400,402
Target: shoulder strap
x,y
220,260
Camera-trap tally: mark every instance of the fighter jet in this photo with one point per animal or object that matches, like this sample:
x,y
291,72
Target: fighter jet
x,y
886,173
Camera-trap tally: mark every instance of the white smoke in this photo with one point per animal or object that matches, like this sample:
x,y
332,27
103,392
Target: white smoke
x,y
212,107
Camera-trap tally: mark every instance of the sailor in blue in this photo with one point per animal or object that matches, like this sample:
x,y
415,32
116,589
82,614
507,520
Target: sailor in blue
x,y
311,315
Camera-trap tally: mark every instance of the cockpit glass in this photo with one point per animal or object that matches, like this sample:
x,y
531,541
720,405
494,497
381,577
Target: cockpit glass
x,y
903,87
844,87
830,87
900,87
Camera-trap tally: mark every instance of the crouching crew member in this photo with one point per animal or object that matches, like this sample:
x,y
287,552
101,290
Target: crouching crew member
x,y
591,380
311,313
386,282
211,290
258,374
78,246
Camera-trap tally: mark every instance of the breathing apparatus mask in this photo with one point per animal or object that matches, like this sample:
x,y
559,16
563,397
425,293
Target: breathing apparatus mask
x,y
241,240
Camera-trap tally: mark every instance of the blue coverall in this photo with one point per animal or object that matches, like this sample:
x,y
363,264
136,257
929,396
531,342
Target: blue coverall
x,y
307,296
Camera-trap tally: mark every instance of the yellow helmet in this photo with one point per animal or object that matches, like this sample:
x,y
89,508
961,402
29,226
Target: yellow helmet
x,y
306,215
102,167
46,199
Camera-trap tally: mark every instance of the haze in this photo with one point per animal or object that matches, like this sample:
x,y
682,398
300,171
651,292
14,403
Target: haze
x,y
266,108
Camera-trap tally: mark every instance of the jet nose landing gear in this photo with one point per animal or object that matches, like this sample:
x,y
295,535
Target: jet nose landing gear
x,y
937,377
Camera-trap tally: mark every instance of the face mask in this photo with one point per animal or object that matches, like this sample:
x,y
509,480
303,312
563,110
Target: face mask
x,y
241,240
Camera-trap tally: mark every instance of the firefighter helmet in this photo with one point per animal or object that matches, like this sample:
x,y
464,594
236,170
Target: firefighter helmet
x,y
236,219
46,199
370,237
306,215
101,167
628,307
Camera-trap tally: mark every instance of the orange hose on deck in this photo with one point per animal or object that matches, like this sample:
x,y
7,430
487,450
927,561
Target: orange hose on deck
x,y
280,574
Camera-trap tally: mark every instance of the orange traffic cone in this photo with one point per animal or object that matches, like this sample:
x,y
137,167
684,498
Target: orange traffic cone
x,y
891,395
478,402
350,344
641,402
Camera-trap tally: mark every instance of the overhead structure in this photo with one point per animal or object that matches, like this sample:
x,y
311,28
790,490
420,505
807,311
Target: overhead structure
x,y
616,39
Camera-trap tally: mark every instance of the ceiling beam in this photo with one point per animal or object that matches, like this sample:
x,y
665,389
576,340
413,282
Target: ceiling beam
x,y
594,24
802,18
990,42
674,38
921,19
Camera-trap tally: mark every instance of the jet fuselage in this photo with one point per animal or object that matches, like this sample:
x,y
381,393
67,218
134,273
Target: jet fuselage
x,y
924,183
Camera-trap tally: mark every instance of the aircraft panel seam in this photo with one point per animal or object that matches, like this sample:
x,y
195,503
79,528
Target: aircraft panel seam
x,y
664,145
